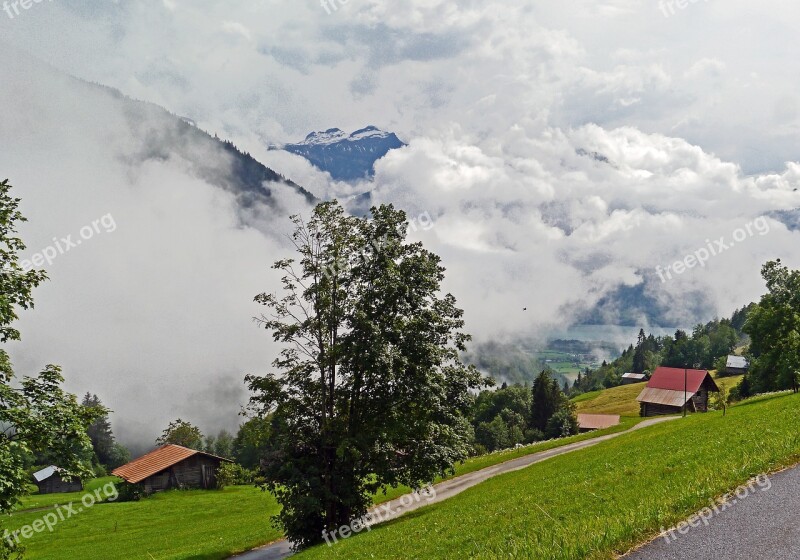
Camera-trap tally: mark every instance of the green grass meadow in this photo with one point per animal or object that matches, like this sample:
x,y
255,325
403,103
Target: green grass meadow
x,y
196,525
599,502
593,503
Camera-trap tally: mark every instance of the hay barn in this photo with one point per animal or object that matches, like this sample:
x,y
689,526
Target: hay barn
x,y
671,390
172,467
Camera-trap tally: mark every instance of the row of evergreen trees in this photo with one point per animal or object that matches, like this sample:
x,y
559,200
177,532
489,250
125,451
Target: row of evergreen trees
x,y
520,414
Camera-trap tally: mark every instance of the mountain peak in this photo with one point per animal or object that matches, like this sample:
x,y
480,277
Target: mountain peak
x,y
346,157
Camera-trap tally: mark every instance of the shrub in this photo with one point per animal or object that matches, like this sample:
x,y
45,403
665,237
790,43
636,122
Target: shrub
x,y
233,474
533,435
130,492
562,424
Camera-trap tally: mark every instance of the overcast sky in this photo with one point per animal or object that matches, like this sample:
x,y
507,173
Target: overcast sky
x,y
692,116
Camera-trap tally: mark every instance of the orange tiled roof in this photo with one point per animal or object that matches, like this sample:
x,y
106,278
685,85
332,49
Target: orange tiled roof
x,y
156,461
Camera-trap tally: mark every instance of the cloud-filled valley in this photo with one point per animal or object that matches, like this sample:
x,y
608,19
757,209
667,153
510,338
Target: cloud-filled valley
x,y
560,167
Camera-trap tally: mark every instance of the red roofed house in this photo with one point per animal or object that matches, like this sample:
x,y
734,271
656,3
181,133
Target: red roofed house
x,y
172,466
672,389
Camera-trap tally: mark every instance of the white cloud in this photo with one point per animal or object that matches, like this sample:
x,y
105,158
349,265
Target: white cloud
x,y
564,150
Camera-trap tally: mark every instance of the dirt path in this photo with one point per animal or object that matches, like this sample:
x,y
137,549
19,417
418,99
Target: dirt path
x,y
449,488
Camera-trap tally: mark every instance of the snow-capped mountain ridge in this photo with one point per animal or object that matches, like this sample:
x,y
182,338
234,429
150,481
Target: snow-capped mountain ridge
x,y
346,157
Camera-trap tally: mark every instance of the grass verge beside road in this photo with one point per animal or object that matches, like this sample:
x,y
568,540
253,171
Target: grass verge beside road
x,y
598,502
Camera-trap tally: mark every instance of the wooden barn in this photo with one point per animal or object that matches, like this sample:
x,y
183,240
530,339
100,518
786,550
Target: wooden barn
x,y
670,390
172,467
736,365
52,480
631,378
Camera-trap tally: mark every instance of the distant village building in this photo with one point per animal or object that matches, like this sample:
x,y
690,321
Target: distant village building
x,y
631,378
736,365
591,422
671,389
52,480
170,467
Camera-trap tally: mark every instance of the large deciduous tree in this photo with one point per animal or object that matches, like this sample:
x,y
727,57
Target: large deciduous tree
x,y
774,329
36,414
181,432
369,390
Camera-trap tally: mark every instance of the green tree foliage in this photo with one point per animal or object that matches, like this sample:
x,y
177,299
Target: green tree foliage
x,y
721,400
563,422
774,329
100,431
500,417
119,456
639,354
488,404
369,389
721,365
36,414
182,433
251,442
547,398
220,445
224,446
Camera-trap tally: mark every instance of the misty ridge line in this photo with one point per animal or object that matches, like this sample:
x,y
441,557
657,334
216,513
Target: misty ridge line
x,y
62,245
17,4
713,249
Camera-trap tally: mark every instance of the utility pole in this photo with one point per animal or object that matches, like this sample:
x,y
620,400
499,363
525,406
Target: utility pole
x,y
685,390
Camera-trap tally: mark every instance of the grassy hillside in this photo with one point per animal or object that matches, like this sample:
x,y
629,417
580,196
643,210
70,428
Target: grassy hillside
x,y
597,502
193,525
622,400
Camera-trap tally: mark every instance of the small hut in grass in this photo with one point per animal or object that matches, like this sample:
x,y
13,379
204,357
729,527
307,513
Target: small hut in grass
x,y
172,467
53,480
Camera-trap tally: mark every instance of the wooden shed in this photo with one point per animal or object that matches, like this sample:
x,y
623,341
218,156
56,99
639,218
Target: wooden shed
x,y
736,365
670,390
173,467
631,378
52,480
